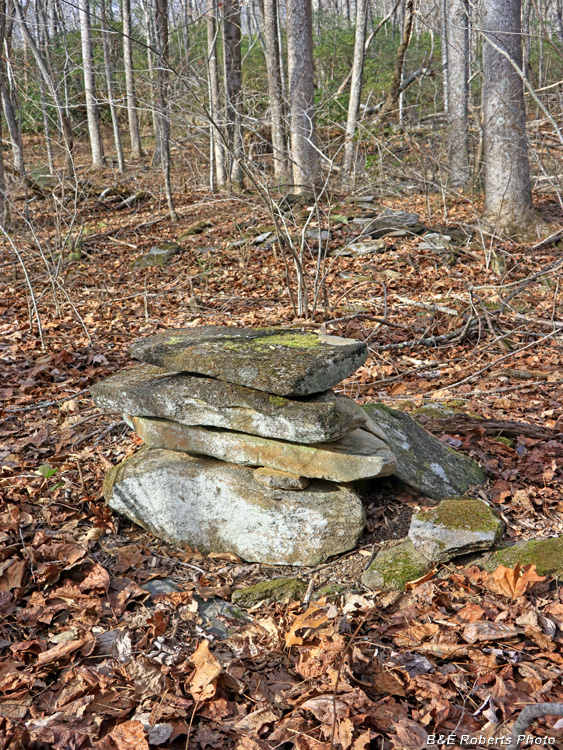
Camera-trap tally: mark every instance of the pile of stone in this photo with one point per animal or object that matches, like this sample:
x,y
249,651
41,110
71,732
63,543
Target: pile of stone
x,y
248,450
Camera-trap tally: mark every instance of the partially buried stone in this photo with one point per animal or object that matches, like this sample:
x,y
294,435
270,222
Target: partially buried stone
x,y
266,592
218,507
359,249
457,526
423,462
159,255
148,391
389,221
279,361
358,455
281,480
396,566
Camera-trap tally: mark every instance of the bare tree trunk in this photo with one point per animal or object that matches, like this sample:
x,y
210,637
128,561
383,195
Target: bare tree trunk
x,y
458,92
132,114
213,80
109,85
3,200
394,93
161,22
275,91
444,47
355,86
233,89
508,198
13,129
304,154
90,85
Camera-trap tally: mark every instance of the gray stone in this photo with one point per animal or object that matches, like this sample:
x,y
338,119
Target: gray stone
x,y
360,199
545,554
148,391
360,249
262,238
267,592
358,455
389,221
423,462
279,361
218,507
159,255
457,526
435,241
318,235
281,480
395,566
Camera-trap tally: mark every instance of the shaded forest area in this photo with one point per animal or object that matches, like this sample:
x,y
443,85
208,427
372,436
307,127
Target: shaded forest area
x,y
175,164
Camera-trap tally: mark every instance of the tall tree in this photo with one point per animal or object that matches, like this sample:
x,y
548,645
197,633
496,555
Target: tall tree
x,y
132,113
304,154
355,85
109,86
508,197
161,22
92,111
392,98
218,176
3,201
275,88
233,88
457,43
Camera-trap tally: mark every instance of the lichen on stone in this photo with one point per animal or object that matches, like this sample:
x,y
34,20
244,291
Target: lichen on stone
x,y
266,592
396,566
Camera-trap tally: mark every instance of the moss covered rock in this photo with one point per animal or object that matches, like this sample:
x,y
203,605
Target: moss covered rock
x,y
279,361
457,526
423,462
545,554
278,590
159,255
395,566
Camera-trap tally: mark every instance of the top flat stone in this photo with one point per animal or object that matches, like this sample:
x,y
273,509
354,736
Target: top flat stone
x,y
275,360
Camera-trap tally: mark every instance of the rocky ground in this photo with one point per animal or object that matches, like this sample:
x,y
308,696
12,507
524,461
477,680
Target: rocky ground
x,y
110,638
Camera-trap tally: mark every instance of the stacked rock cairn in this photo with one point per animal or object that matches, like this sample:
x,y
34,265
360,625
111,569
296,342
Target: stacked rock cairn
x,y
248,450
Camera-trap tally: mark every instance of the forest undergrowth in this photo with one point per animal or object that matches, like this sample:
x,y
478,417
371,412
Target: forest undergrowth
x,y
91,656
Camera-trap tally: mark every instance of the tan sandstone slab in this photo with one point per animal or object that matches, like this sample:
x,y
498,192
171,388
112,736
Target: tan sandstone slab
x,y
358,455
214,506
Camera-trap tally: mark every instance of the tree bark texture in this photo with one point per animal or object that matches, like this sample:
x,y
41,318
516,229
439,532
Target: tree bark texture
x,y
508,199
161,23
132,114
213,82
392,98
458,92
304,154
92,111
275,89
355,86
233,89
110,90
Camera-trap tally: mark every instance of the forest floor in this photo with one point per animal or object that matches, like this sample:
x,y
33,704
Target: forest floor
x,y
89,657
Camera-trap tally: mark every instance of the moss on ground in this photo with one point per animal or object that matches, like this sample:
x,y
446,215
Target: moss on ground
x,y
545,554
395,566
278,590
462,513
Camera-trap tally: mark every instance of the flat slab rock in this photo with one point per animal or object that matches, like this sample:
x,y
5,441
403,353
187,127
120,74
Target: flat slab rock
x,y
457,526
358,455
149,391
218,507
423,462
275,360
395,566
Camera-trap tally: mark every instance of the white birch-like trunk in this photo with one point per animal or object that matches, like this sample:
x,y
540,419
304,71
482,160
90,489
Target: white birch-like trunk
x,y
109,86
233,89
508,198
275,90
457,42
161,23
92,112
213,82
132,113
304,154
13,129
355,86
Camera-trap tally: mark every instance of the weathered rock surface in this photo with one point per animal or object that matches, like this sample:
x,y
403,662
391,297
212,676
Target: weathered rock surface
x,y
159,255
279,361
281,480
395,566
422,461
457,526
266,592
358,455
359,249
218,507
545,554
390,221
148,391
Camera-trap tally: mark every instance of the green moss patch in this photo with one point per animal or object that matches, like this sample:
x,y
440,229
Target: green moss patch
x,y
266,592
462,514
545,554
396,566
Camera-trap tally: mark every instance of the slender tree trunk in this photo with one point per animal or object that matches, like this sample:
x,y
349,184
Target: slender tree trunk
x,y
444,48
458,92
304,154
394,93
3,200
508,198
275,92
214,107
90,85
161,22
109,86
132,113
233,89
355,86
12,123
